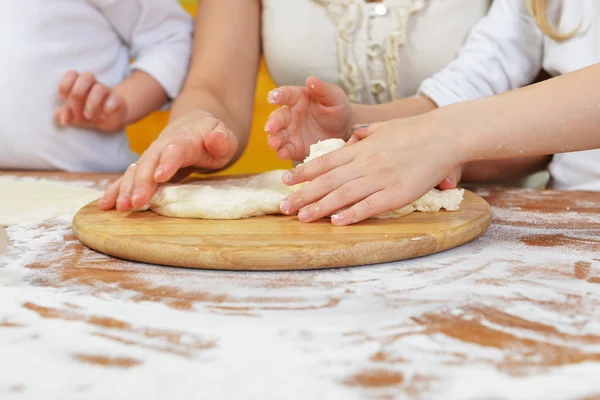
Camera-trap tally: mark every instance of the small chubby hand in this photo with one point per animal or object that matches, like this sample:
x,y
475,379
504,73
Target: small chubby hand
x,y
90,104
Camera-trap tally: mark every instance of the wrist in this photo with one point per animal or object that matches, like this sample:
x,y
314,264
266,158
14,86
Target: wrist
x,y
457,137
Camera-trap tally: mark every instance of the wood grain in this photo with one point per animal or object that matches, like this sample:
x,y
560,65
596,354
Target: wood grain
x,y
277,242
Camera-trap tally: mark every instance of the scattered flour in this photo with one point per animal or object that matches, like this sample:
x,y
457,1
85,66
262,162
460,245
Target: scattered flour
x,y
480,321
28,200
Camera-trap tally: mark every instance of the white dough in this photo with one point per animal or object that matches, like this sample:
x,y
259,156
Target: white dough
x,y
223,199
29,200
262,194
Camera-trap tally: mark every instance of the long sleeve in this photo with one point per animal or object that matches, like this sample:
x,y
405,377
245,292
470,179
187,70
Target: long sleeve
x,y
503,52
158,34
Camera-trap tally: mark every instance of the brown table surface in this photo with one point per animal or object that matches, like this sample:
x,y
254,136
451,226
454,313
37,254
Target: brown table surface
x,y
514,314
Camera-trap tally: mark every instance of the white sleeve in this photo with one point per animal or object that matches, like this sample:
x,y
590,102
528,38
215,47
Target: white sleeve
x,y
503,52
158,34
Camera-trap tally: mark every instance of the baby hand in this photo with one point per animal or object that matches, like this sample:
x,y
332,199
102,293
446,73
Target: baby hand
x,y
308,114
90,104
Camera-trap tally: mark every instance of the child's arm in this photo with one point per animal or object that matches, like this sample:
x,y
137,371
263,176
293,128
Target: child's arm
x,y
158,33
390,170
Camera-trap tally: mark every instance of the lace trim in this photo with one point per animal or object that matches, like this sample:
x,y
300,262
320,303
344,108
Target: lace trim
x,y
347,15
397,39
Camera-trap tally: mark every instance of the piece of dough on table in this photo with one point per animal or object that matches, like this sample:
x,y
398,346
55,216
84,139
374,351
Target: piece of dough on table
x,y
262,194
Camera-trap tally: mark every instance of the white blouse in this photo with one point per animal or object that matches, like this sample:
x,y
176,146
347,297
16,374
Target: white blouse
x,y
506,50
377,52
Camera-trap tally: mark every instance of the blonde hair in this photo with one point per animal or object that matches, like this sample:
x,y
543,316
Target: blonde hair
x,y
538,9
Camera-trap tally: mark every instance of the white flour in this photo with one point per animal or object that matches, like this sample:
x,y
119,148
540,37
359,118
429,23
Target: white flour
x,y
29,200
306,334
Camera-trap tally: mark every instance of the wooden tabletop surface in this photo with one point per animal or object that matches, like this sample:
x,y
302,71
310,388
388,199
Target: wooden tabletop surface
x,y
514,314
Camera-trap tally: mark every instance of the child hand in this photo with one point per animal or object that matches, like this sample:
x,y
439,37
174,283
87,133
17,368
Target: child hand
x,y
386,170
90,104
308,114
194,140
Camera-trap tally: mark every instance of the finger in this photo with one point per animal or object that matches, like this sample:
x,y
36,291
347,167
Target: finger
x,y
221,145
171,160
95,99
286,95
275,142
320,187
144,184
319,166
326,93
363,131
377,203
286,151
67,116
347,194
58,114
452,180
109,200
278,120
66,84
113,103
125,189
82,86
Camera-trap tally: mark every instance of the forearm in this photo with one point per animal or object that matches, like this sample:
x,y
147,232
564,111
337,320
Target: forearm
x,y
556,116
406,107
142,94
501,170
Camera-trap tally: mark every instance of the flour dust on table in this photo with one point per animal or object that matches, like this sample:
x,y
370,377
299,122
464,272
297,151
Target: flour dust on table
x,y
30,200
261,194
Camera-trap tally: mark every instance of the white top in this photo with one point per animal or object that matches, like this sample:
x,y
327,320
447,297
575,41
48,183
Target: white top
x,y
506,50
376,52
42,39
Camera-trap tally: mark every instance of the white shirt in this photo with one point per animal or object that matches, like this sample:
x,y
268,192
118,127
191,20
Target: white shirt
x,y
42,39
506,50
376,52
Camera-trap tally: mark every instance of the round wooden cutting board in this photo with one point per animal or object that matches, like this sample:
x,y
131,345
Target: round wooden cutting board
x,y
277,242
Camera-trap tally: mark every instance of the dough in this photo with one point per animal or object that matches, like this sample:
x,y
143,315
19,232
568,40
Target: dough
x,y
261,195
223,199
30,200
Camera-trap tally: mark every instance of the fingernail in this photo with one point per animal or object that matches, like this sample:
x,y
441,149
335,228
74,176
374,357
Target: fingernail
x,y
137,193
274,96
87,112
336,217
63,119
312,86
267,128
159,171
358,127
285,206
303,214
287,177
111,104
123,197
448,180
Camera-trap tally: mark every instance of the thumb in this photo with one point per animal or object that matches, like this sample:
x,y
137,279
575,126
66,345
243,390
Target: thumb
x,y
327,94
221,144
452,180
360,132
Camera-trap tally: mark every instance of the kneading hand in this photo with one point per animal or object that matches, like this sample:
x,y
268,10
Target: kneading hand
x,y
386,166
195,139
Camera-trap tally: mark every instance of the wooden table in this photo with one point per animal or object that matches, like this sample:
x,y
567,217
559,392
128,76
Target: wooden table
x,y
514,314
